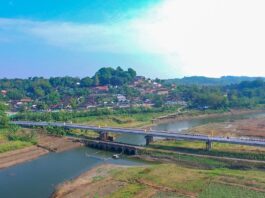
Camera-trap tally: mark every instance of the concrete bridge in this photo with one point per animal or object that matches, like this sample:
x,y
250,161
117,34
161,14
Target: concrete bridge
x,y
149,134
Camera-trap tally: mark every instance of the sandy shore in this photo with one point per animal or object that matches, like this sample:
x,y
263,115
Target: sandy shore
x,y
90,183
12,158
56,144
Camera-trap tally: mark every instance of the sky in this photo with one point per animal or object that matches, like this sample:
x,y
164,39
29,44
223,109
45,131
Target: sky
x,y
158,38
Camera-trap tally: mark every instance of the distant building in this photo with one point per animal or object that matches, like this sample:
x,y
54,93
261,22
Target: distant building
x,y
121,98
138,80
102,88
157,85
4,92
162,92
149,91
57,106
26,100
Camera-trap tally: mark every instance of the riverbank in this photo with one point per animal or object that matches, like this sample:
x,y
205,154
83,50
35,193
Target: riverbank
x,y
56,144
45,144
173,174
89,183
164,180
15,157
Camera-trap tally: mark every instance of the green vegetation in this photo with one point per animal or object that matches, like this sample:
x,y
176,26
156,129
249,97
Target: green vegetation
x,y
127,191
12,137
169,180
102,89
116,115
13,145
53,90
218,149
247,94
57,131
206,81
3,117
222,190
189,160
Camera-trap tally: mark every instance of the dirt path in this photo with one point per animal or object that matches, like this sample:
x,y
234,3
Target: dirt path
x,y
242,186
167,189
19,156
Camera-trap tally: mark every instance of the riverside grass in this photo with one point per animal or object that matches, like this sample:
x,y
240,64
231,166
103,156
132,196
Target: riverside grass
x,y
218,149
171,180
7,145
13,145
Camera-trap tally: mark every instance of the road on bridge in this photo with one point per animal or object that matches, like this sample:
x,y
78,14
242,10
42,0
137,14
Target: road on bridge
x,y
149,133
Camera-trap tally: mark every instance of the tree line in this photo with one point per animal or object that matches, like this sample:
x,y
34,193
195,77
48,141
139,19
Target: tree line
x,y
247,94
54,89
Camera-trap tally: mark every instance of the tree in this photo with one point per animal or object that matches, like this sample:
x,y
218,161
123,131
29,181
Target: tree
x,y
86,82
15,94
158,101
132,73
96,80
4,121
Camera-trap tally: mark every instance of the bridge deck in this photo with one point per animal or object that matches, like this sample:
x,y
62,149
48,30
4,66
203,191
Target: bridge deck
x,y
154,133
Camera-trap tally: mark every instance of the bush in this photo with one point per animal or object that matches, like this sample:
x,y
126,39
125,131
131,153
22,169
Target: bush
x,y
22,135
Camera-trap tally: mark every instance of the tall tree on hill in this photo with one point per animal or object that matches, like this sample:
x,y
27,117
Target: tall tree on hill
x,y
96,80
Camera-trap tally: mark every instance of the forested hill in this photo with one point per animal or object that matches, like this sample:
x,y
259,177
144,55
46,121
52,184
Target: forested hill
x,y
201,80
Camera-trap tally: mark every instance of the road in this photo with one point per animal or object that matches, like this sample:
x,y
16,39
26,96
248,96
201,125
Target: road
x,y
152,133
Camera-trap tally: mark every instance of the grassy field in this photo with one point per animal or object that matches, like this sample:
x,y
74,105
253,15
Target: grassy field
x,y
170,180
218,149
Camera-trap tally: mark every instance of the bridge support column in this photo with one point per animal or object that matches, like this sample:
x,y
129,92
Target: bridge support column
x,y
104,136
149,139
208,145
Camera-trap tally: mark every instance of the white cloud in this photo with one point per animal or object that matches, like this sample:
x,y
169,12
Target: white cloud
x,y
88,37
206,37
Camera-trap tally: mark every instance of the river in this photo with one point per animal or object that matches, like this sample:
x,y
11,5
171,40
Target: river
x,y
39,177
178,126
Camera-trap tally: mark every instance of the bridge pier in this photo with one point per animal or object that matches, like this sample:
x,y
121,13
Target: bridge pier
x,y
104,136
208,145
149,139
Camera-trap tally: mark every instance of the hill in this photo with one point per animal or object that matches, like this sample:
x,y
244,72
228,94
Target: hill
x,y
201,80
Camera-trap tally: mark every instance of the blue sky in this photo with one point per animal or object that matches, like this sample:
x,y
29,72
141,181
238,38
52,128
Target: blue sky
x,y
158,38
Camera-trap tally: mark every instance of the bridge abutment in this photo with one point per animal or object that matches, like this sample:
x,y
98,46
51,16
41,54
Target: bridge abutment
x,y
104,136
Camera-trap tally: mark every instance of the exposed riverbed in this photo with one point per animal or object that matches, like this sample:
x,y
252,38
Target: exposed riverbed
x,y
178,126
38,178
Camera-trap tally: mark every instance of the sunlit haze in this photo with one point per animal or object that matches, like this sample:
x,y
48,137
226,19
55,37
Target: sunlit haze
x,y
166,39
